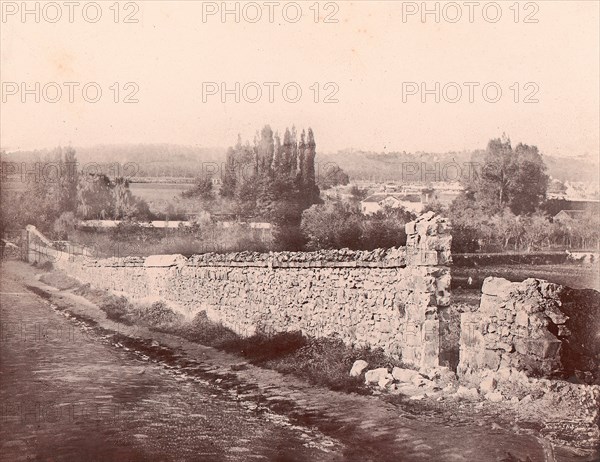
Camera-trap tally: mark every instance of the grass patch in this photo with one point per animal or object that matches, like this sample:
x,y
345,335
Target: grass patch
x,y
327,362
59,280
155,315
323,361
202,330
117,308
320,361
44,266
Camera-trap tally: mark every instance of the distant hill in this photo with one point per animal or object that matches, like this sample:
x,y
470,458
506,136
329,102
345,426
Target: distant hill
x,y
585,169
171,160
398,166
163,152
365,165
150,160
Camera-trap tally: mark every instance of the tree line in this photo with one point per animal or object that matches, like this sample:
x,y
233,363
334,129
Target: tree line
x,y
504,206
53,202
273,180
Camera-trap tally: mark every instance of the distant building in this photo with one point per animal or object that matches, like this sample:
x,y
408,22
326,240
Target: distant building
x,y
565,216
554,206
377,202
412,196
372,204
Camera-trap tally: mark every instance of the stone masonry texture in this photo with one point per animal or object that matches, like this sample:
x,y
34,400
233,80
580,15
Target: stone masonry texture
x,y
386,298
534,326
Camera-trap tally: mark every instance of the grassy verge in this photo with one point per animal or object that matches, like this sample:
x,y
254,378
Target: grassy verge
x,y
321,361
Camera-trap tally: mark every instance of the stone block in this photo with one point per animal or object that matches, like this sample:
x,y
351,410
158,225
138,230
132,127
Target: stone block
x,y
375,375
467,393
358,367
426,228
404,375
443,298
470,331
498,287
444,257
494,397
538,325
550,290
546,347
487,385
491,359
443,280
505,346
426,216
431,343
427,258
522,319
554,313
410,354
385,381
530,305
489,304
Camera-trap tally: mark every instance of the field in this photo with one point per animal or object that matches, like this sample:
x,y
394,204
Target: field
x,y
570,274
160,195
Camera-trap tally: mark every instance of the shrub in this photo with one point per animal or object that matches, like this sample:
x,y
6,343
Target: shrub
x,y
128,230
202,330
336,225
46,266
117,308
331,226
64,225
324,361
158,314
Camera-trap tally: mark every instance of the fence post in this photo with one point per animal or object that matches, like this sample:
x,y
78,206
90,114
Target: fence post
x,y
25,245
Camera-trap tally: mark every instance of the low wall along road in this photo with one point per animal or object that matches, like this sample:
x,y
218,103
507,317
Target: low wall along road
x,y
386,298
389,298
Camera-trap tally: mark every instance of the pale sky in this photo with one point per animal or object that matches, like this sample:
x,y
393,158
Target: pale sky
x,y
367,54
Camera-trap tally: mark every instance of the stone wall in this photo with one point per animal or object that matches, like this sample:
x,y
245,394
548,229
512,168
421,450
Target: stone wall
x,y
534,326
386,298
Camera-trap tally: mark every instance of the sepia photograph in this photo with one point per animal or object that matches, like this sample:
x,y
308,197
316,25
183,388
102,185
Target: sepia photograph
x,y
300,231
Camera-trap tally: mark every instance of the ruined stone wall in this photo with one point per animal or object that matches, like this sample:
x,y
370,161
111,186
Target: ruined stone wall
x,y
386,298
534,326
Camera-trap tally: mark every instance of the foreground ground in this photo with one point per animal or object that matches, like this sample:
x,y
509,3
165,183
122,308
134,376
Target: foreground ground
x,y
82,392
67,396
